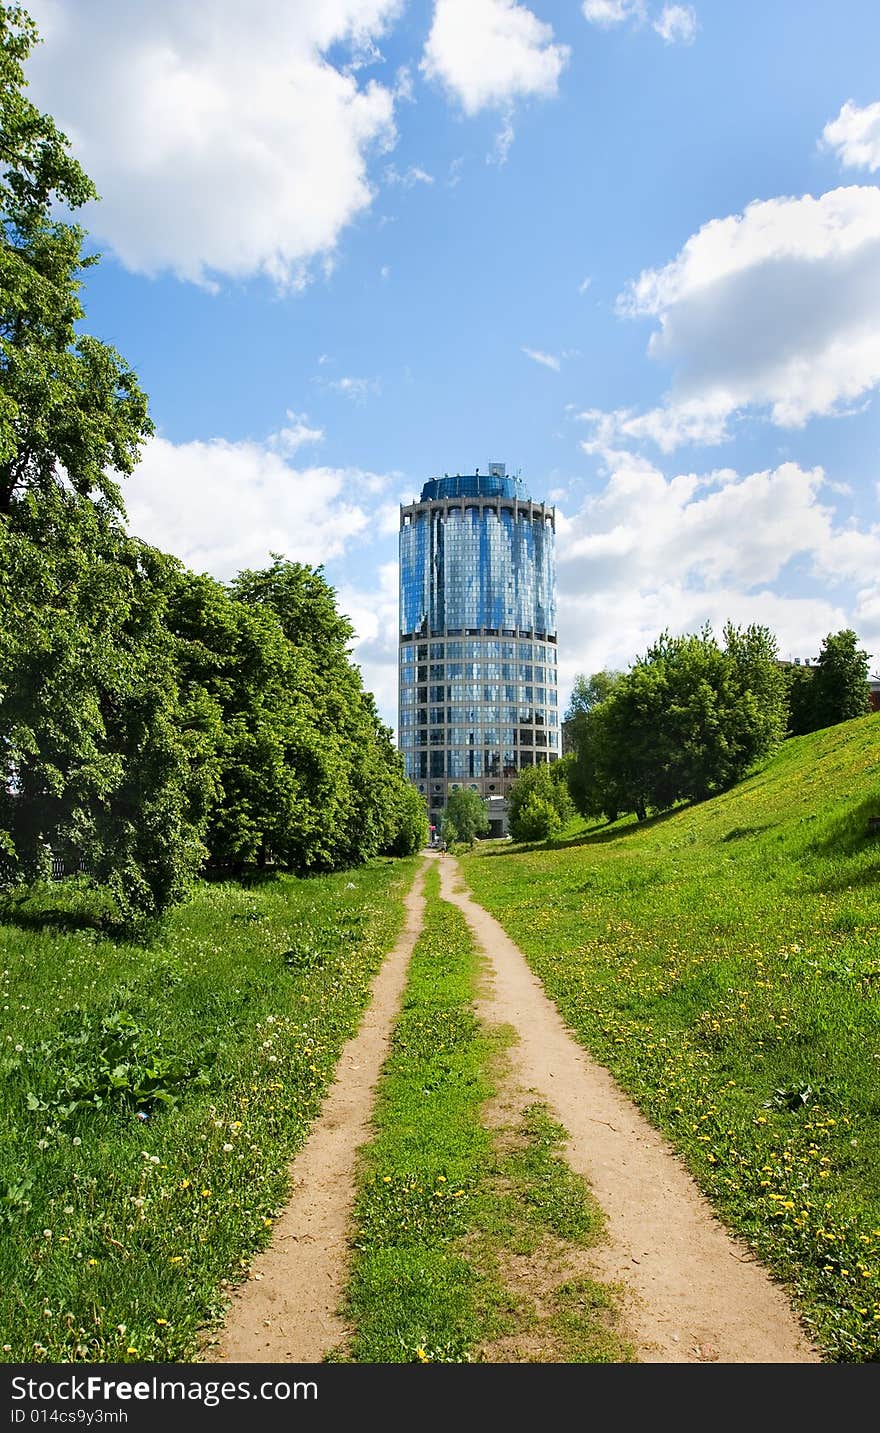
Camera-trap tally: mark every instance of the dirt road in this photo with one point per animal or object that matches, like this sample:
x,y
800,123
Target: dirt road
x,y
693,1294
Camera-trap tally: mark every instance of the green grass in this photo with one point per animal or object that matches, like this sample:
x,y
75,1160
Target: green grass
x,y
446,1204
723,961
154,1095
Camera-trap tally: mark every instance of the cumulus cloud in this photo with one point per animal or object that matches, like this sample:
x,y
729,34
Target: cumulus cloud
x,y
295,433
855,136
649,552
776,309
489,53
222,506
548,360
676,24
222,140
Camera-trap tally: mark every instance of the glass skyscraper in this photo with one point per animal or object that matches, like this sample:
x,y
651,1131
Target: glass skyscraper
x,y
478,684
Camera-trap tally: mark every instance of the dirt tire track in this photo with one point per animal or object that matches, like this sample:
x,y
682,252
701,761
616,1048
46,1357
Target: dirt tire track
x,y
288,1309
695,1295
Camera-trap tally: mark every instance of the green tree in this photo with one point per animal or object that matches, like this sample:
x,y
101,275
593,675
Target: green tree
x,y
71,410
588,692
349,768
840,688
104,759
465,817
688,719
800,699
538,802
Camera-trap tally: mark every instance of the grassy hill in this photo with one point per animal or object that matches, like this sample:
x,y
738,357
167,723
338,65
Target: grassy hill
x,y
723,961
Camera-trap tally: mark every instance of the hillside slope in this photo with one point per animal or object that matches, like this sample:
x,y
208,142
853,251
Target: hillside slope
x,y
723,961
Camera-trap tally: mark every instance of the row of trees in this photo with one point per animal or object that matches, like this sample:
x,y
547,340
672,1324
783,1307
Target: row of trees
x,y
151,720
693,716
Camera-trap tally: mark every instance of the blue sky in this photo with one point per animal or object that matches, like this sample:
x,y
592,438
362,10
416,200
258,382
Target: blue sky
x,y
630,248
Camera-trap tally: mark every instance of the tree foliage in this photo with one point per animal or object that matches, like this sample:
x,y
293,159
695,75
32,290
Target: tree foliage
x,y
690,718
538,803
465,817
71,410
840,685
150,719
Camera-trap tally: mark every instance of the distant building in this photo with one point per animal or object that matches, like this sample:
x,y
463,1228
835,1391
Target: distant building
x,y
478,672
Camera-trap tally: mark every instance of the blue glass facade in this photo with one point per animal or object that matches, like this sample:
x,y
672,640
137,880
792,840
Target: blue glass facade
x,y
478,679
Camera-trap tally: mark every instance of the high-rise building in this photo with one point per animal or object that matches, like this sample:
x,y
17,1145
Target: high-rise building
x,y
478,682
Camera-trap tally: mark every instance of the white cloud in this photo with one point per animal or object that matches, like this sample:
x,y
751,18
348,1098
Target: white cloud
x,y
676,24
584,284
776,309
296,433
503,140
649,552
411,176
547,359
374,616
489,53
357,389
855,136
221,139
222,506
606,13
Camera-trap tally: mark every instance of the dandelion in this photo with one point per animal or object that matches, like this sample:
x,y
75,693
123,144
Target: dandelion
x,y
161,1322
47,1233
227,1148
131,1350
92,1263
68,1208
76,1139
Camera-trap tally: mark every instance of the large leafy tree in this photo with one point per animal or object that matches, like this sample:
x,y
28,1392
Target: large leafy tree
x,y
689,719
103,759
353,772
71,411
840,681
308,777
